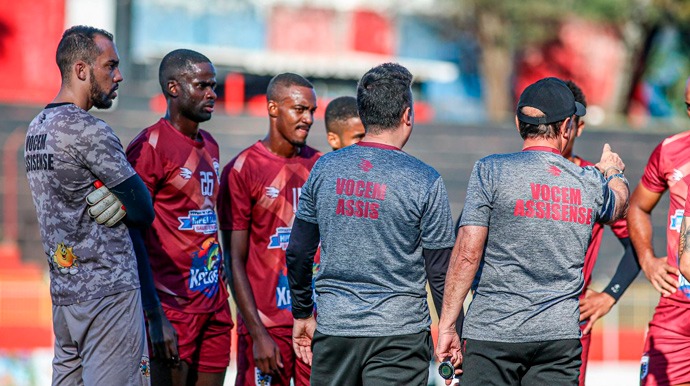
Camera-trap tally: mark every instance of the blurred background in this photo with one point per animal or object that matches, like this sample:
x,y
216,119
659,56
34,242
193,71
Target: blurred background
x,y
471,59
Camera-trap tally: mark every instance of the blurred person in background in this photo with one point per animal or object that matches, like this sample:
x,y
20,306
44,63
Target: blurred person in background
x,y
525,330
260,189
343,126
594,305
381,216
666,354
189,319
77,169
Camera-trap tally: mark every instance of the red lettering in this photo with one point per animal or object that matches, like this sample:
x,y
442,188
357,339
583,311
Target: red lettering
x,y
581,211
369,190
575,196
379,191
374,210
548,211
565,213
359,188
340,208
535,190
339,185
349,207
359,208
573,213
529,205
540,209
545,193
556,211
519,208
556,194
565,196
589,215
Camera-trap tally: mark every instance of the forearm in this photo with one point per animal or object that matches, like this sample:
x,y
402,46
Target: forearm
x,y
684,248
225,244
136,199
244,297
641,233
304,241
627,271
619,187
149,296
462,268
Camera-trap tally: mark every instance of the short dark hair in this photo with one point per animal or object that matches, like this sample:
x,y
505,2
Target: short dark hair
x,y
340,110
544,130
176,63
285,80
77,43
578,94
383,94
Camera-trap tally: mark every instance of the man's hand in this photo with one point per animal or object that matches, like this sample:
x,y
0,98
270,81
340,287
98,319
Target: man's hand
x,y
163,337
104,206
594,306
302,334
266,354
609,161
658,271
449,347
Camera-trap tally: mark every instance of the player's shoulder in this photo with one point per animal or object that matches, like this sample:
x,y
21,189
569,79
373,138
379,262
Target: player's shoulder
x,y
674,142
246,159
208,137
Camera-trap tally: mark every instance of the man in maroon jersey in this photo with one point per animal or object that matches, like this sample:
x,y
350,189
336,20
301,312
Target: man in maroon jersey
x,y
666,354
594,305
257,204
179,164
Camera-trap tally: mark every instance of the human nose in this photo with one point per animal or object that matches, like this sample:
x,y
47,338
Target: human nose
x,y
117,78
211,94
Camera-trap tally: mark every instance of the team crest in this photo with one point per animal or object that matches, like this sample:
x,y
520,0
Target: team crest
x,y
145,366
185,173
280,239
555,170
65,259
272,192
216,167
261,379
366,165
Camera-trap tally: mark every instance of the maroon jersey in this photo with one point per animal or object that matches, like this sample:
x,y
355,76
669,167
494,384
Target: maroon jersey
x,y
182,176
259,193
619,228
666,169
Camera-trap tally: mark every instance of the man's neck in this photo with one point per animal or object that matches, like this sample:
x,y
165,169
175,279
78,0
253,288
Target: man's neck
x,y
280,146
67,95
185,126
542,142
387,137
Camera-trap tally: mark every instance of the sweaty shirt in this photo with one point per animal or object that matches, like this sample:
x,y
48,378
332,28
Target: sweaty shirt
x,y
66,151
540,209
376,208
182,176
259,193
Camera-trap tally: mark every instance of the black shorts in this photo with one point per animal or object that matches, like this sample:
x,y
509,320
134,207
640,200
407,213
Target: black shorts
x,y
371,361
552,362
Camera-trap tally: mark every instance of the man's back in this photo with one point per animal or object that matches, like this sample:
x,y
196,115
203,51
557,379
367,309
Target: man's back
x,y
376,208
542,211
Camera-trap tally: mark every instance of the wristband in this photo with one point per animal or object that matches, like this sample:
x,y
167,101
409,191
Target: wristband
x,y
614,168
617,175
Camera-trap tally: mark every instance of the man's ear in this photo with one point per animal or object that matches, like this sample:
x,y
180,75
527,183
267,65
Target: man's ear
x,y
567,128
81,70
272,108
580,127
333,140
173,88
408,117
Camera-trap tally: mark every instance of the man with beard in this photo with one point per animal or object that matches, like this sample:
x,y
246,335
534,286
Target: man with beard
x,y
179,165
257,204
97,316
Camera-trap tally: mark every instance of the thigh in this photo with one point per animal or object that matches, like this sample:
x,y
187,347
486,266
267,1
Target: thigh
x,y
665,358
214,343
337,360
556,363
487,363
66,361
114,350
398,360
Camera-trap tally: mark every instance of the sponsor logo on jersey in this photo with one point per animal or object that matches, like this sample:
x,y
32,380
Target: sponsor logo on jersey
x,y
676,220
555,170
203,274
280,239
145,366
200,221
272,192
261,379
185,173
677,175
644,366
366,165
283,301
65,260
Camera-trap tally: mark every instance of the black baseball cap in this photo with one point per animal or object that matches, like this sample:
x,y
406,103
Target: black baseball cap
x,y
553,97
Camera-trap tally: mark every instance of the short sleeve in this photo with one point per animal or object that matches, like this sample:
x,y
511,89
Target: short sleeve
x,y
620,228
99,150
147,162
234,199
653,177
437,220
479,199
306,207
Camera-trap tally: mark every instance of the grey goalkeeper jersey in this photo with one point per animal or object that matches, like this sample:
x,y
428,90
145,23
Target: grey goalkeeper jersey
x,y
540,209
66,151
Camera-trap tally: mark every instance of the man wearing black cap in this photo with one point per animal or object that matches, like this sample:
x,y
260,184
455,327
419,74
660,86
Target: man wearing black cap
x,y
529,215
